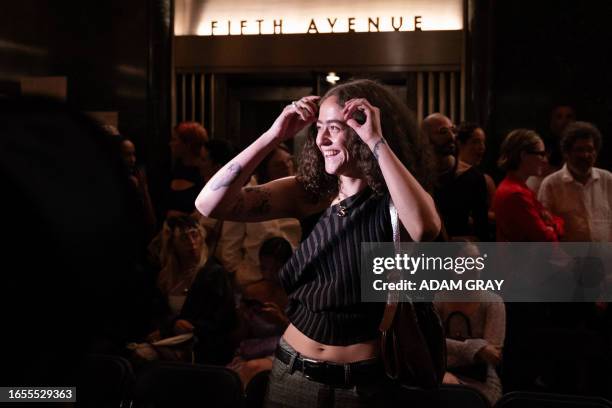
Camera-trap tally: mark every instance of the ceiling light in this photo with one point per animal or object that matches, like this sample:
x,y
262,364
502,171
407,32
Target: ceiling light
x,y
332,78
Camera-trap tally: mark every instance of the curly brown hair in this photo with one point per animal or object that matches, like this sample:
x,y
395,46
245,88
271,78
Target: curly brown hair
x,y
399,129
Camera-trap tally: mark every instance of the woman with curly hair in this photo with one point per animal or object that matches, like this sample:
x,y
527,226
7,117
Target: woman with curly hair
x,y
366,152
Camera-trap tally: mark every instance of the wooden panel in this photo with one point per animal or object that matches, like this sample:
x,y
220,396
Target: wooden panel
x,y
399,51
420,97
453,97
442,93
431,95
202,99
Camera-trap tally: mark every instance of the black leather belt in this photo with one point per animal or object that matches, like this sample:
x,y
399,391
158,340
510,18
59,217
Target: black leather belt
x,y
350,374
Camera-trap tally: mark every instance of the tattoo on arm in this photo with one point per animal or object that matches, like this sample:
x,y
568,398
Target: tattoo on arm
x,y
231,174
377,146
259,204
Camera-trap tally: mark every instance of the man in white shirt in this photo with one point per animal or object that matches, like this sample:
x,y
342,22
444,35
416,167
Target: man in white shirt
x,y
580,193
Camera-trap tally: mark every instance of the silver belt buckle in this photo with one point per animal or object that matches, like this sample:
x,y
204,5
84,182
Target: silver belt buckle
x,y
308,360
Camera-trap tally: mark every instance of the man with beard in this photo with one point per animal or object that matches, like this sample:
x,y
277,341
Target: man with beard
x,y
460,194
580,193
440,131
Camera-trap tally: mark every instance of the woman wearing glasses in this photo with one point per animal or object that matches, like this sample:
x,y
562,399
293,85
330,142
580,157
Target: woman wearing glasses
x,y
366,151
520,216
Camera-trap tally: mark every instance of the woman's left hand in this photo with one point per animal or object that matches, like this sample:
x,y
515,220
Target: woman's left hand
x,y
364,118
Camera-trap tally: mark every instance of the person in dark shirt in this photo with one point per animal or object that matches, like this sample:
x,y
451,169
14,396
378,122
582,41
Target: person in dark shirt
x,y
460,191
366,152
187,146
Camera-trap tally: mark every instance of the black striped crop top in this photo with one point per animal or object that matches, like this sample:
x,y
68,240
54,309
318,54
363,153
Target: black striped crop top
x,y
322,278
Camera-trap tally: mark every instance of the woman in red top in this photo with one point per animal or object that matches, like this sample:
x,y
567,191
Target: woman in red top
x,y
520,216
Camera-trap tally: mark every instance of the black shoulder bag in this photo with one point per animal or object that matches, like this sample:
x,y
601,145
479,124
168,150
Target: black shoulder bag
x,y
413,346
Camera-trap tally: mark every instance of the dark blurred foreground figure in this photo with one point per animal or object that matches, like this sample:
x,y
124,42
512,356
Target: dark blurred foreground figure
x,y
71,281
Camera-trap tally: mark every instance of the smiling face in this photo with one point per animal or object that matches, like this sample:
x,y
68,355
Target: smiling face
x,y
333,135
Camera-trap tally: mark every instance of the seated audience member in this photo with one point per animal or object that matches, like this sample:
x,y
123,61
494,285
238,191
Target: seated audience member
x,y
273,254
183,254
471,147
519,215
475,332
263,319
461,190
188,140
197,295
276,165
580,193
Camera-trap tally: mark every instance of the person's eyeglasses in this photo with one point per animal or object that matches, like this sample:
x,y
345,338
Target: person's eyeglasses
x,y
541,153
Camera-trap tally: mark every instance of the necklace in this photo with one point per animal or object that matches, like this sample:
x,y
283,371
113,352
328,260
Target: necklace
x,y
341,210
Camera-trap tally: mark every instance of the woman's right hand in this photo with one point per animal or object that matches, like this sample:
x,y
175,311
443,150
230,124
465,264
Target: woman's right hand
x,y
295,117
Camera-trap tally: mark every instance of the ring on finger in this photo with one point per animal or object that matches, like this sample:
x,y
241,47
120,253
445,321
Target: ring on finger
x,y
295,105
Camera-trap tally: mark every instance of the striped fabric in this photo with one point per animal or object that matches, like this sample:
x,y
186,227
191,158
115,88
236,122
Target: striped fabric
x,y
323,280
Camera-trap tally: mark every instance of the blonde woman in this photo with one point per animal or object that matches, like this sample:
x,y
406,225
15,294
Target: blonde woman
x,y
183,253
197,292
